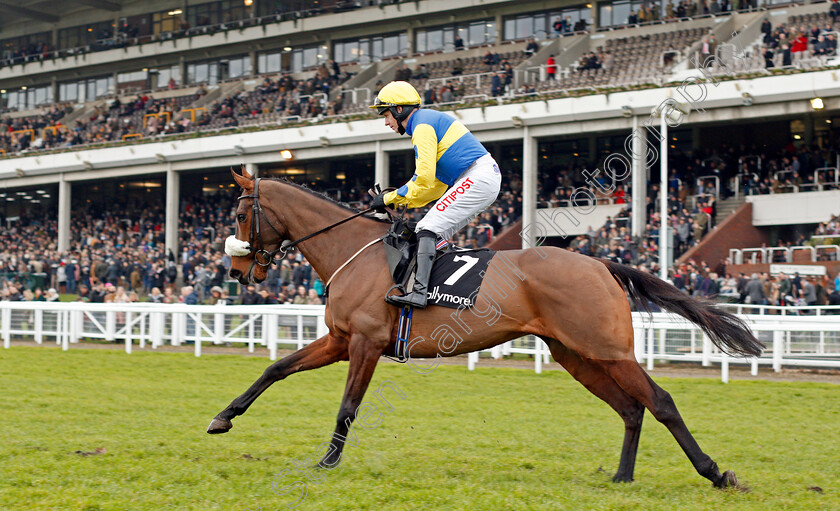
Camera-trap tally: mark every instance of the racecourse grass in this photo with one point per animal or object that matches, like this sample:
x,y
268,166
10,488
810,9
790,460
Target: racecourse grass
x,y
491,439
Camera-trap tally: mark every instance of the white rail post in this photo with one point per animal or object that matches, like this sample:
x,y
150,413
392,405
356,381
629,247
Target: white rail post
x,y
76,323
496,351
537,355
271,329
299,331
197,338
39,326
110,324
251,333
128,328
650,349
156,325
724,367
63,320
7,326
754,366
778,348
144,316
472,358
706,358
218,328
639,344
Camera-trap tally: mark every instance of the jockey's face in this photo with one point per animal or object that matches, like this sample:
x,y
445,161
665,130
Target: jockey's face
x,y
391,122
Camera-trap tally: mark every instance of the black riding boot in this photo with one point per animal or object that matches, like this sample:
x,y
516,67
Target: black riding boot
x,y
425,259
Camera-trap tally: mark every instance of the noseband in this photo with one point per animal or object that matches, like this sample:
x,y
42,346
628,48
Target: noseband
x,y
261,256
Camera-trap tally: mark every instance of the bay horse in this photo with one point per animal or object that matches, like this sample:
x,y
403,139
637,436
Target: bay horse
x,y
577,304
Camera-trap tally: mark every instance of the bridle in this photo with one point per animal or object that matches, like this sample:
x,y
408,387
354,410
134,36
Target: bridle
x,y
262,256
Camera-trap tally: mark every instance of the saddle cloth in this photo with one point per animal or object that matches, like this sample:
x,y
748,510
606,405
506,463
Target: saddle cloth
x,y
456,277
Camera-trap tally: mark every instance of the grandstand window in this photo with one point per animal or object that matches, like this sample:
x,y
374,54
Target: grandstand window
x,y
269,62
203,15
68,91
203,72
473,33
305,58
215,13
23,45
238,66
618,12
165,73
540,24
136,80
372,49
27,98
167,21
86,35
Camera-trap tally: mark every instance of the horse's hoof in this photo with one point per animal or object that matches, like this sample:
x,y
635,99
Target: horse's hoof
x,y
218,425
618,478
728,480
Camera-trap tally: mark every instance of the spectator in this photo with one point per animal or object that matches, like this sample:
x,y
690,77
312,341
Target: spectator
x,y
550,67
459,43
251,297
531,48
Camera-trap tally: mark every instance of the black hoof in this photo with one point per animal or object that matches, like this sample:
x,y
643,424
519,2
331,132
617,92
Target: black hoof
x,y
619,478
728,480
218,426
328,463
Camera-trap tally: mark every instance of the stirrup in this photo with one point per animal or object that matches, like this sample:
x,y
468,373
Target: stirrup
x,y
413,299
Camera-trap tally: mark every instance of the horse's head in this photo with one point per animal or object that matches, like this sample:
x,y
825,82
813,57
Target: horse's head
x,y
258,233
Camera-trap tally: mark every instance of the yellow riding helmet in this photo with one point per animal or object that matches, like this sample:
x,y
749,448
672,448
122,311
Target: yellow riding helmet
x,y
396,94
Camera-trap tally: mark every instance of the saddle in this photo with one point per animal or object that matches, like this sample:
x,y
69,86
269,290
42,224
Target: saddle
x,y
400,248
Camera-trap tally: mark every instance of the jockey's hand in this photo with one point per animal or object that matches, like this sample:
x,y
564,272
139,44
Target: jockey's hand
x,y
378,203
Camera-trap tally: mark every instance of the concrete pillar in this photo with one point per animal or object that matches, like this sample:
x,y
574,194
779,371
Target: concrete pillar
x,y
54,88
500,27
639,179
593,23
64,197
182,69
529,190
173,202
253,169
412,49
54,38
252,56
381,166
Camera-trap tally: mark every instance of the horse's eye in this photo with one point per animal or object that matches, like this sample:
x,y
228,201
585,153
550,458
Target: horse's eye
x,y
240,218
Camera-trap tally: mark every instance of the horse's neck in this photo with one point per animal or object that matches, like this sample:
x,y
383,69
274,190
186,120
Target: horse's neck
x,y
329,250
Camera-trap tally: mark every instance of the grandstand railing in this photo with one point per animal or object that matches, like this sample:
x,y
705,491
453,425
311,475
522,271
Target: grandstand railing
x,y
794,336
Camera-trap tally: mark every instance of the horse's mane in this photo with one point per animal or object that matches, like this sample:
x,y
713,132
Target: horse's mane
x,y
321,195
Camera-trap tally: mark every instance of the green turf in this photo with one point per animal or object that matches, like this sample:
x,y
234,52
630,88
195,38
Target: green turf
x,y
484,440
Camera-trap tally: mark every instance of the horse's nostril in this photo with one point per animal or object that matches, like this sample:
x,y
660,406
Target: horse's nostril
x,y
235,274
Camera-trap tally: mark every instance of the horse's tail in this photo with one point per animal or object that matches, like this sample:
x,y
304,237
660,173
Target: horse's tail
x,y
726,331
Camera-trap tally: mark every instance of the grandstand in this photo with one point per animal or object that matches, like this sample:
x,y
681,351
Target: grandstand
x,y
119,122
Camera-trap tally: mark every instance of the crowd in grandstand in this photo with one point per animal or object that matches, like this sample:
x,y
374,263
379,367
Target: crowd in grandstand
x,y
146,116
787,43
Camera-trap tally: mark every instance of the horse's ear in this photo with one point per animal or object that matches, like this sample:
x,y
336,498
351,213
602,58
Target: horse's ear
x,y
246,180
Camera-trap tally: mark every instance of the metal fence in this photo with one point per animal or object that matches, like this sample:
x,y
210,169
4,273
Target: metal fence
x,y
794,336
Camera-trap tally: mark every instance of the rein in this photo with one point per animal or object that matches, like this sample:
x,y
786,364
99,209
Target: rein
x,y
263,257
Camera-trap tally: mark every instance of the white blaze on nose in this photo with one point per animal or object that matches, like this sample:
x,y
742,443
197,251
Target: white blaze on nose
x,y
236,248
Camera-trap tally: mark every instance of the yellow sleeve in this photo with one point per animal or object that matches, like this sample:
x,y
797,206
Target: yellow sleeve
x,y
423,187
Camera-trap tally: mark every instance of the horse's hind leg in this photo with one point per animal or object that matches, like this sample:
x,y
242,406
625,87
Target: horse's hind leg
x,y
321,352
633,379
596,380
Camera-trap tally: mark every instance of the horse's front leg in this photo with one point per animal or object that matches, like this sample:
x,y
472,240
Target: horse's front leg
x,y
319,353
364,354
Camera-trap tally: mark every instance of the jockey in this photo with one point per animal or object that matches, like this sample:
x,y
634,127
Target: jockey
x,y
449,163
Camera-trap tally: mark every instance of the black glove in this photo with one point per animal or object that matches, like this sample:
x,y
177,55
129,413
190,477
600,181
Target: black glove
x,y
378,203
